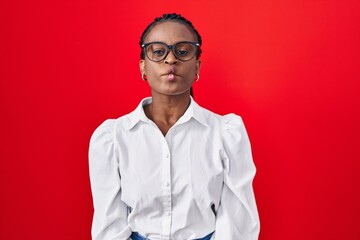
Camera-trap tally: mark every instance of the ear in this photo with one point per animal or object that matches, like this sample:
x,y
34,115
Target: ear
x,y
198,64
142,66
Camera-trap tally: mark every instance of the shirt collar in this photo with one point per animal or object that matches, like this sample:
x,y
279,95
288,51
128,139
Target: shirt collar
x,y
193,111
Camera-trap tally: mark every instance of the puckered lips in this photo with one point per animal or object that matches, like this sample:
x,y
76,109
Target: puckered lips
x,y
170,73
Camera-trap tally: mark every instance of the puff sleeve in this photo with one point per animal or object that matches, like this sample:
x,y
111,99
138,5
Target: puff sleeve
x,y
237,216
110,212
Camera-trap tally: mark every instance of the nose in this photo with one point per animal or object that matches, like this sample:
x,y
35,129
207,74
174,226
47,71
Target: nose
x,y
170,58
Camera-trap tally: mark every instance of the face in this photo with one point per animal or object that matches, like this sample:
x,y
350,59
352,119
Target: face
x,y
170,76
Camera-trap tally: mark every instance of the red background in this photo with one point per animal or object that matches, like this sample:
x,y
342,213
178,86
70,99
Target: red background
x,y
289,68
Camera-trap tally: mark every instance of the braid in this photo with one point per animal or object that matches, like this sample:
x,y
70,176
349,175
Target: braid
x,y
174,18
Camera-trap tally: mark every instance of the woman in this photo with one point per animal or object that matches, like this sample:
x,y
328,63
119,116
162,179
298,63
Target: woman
x,y
172,169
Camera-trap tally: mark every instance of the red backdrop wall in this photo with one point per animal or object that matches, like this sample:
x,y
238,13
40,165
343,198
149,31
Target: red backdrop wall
x,y
289,68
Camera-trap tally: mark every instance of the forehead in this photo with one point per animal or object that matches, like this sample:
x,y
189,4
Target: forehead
x,y
170,33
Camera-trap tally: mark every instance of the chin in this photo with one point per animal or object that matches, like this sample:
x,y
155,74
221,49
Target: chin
x,y
177,93
172,92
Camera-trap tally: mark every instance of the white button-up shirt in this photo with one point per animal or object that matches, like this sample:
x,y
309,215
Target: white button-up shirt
x,y
195,180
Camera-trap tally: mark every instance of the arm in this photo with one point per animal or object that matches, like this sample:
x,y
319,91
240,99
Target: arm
x,y
110,212
237,217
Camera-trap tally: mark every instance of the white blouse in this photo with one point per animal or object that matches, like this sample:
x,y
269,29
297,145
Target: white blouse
x,y
195,180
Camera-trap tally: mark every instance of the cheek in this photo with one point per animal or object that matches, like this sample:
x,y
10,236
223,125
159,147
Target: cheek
x,y
191,71
152,69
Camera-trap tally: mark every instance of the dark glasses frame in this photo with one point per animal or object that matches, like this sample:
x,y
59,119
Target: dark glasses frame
x,y
171,48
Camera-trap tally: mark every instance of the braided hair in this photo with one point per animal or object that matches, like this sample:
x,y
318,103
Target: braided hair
x,y
173,17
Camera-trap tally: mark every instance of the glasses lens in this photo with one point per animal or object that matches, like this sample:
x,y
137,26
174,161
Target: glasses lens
x,y
184,51
156,51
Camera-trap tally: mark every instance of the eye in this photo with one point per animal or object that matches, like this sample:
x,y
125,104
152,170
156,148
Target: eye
x,y
181,52
156,49
159,52
184,50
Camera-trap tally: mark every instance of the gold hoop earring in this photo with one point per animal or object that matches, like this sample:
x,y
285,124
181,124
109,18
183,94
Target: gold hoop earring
x,y
143,76
197,77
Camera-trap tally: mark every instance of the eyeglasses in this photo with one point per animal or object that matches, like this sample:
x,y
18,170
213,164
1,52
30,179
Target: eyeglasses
x,y
158,51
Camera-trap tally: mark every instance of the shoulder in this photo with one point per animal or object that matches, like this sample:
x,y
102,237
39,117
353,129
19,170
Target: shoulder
x,y
102,146
227,122
103,133
121,123
110,126
232,121
231,126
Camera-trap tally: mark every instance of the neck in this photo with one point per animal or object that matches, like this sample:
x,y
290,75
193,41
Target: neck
x,y
165,110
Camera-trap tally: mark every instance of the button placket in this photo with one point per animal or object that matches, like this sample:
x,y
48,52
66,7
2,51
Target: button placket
x,y
166,190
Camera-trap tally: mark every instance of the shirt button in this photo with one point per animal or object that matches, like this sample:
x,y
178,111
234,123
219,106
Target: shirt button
x,y
167,184
167,155
168,213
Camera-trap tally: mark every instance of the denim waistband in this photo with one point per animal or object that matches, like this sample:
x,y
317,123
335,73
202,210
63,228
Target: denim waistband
x,y
137,236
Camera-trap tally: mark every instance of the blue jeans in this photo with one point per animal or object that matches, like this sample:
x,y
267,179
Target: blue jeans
x,y
136,236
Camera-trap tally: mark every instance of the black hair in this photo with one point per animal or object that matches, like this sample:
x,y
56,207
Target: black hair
x,y
171,17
